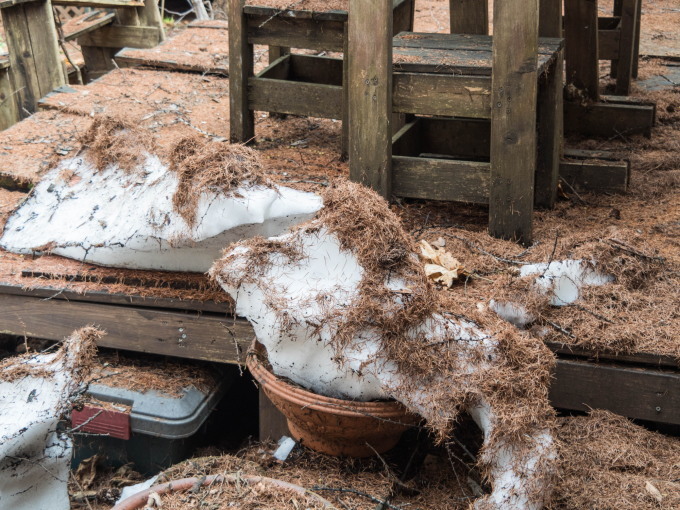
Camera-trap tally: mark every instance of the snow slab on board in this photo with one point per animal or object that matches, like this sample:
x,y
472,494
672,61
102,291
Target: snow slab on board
x,y
35,455
127,219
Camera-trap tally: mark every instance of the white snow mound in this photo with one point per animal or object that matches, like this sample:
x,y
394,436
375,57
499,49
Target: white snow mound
x,y
127,219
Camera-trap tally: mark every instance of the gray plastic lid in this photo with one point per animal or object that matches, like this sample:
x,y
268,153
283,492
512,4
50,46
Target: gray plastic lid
x,y
157,414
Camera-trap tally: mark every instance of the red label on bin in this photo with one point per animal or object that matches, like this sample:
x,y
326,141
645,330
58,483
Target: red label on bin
x,y
102,421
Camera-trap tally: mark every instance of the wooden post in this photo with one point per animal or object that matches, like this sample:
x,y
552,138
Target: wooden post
x,y
550,18
513,119
550,133
624,66
370,93
581,33
273,424
241,118
636,53
469,16
35,64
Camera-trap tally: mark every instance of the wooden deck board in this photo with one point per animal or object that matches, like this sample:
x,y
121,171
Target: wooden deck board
x,y
85,23
198,49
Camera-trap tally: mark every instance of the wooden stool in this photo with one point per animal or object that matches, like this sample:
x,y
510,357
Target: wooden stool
x,y
295,84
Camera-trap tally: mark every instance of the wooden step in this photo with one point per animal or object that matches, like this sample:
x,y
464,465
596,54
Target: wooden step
x,y
85,23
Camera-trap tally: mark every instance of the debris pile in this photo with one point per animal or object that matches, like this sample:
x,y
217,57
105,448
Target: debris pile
x,y
345,309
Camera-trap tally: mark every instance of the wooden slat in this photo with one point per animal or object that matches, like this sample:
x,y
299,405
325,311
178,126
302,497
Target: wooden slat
x,y
186,335
296,33
9,3
273,424
513,119
370,94
609,119
107,298
241,119
121,36
102,4
581,31
456,42
296,98
595,175
638,359
75,27
643,394
469,16
441,179
435,94
609,41
294,14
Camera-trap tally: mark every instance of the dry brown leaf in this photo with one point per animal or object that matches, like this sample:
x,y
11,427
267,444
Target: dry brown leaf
x,y
86,472
440,265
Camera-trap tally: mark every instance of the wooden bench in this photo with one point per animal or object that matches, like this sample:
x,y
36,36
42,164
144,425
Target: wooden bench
x,y
281,30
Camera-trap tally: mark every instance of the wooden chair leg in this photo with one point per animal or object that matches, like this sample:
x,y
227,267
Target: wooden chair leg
x,y
469,16
624,70
241,118
582,51
550,134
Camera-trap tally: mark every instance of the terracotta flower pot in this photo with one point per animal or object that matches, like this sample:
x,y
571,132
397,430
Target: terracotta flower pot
x,y
330,425
139,500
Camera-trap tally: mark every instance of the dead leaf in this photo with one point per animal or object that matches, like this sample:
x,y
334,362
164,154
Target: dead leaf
x,y
87,472
654,492
440,265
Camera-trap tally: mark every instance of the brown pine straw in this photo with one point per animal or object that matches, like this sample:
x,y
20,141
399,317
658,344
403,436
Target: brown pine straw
x,y
607,462
515,383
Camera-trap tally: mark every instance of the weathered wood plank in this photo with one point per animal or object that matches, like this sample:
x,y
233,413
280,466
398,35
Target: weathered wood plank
x,y
273,424
295,33
638,359
9,3
639,393
370,94
550,19
121,36
469,16
441,179
609,41
513,119
61,293
609,119
86,23
624,68
186,335
457,42
436,94
550,134
581,33
296,98
241,119
595,174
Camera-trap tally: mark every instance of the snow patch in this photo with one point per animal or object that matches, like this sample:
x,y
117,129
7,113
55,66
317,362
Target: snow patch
x,y
127,219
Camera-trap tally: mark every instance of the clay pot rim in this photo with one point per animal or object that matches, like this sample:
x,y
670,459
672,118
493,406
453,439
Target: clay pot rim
x,y
352,408
137,501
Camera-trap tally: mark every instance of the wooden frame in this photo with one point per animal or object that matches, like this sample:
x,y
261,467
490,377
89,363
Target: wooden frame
x,y
281,30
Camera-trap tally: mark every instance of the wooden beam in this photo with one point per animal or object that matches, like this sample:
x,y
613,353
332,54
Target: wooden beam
x,y
550,19
9,113
581,33
89,23
595,174
241,118
200,336
609,119
370,94
469,16
639,393
513,119
121,36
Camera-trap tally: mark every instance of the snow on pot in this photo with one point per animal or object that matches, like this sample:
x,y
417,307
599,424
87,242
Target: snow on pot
x,y
330,425
344,309
225,491
35,392
117,203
